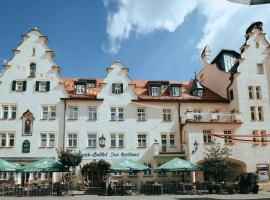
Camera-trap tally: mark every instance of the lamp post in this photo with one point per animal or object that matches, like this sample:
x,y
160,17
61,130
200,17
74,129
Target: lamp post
x,y
195,146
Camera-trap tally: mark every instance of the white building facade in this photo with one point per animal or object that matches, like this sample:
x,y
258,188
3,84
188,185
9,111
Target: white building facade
x,y
148,121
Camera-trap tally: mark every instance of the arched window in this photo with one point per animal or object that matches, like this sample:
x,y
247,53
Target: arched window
x,y
32,73
26,146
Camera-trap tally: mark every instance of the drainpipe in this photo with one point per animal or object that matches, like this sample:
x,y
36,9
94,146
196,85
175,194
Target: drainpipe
x,y
227,89
64,125
180,127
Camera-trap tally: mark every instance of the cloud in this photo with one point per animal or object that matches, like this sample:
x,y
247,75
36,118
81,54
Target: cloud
x,y
225,24
143,17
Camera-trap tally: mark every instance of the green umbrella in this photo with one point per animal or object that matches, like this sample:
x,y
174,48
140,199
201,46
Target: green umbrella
x,y
178,164
43,165
6,166
125,165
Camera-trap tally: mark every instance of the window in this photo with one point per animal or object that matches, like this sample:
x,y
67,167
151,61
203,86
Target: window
x,y
121,140
47,140
252,113
175,91
91,85
117,88
7,139
149,171
19,85
260,69
260,113
42,86
80,89
250,92
13,112
3,175
167,115
5,112
228,137
113,140
255,136
200,93
117,113
72,140
32,73
141,114
92,113
142,141
155,91
113,114
172,140
48,112
263,137
51,139
8,112
164,143
3,139
43,137
92,140
207,136
231,95
117,137
73,113
258,92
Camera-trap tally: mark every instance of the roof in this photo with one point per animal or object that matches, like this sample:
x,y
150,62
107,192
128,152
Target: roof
x,y
258,25
141,89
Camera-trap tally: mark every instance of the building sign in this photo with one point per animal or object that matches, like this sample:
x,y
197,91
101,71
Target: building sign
x,y
26,146
263,172
111,154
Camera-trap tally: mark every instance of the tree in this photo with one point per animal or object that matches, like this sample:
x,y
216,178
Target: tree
x,y
216,161
70,159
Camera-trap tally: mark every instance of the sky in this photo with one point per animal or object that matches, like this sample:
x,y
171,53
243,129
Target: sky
x,y
155,39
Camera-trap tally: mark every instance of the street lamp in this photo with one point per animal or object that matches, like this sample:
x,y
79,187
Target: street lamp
x,y
195,146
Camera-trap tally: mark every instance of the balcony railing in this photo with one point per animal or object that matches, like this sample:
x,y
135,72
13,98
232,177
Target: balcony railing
x,y
212,117
167,149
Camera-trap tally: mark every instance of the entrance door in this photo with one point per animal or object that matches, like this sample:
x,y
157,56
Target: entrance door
x,y
94,178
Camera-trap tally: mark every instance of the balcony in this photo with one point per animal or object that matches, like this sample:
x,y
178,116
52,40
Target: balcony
x,y
165,150
212,117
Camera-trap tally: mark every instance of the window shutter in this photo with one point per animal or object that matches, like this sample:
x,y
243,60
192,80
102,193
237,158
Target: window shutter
x,y
13,85
24,85
122,88
48,86
113,88
37,86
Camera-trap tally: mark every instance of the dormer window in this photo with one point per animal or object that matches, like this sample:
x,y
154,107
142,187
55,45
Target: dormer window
x,y
32,73
196,88
80,89
91,85
117,88
155,91
176,91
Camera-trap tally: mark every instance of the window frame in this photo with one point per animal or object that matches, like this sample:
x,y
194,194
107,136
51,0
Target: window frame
x,y
70,140
155,91
92,140
92,113
73,112
142,140
207,136
141,114
80,89
167,116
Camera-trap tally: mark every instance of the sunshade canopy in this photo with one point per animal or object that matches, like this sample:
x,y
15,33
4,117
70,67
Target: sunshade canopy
x,y
178,164
6,166
43,165
125,165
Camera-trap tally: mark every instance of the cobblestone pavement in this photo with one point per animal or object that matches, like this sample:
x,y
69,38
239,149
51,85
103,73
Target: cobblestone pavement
x,y
265,195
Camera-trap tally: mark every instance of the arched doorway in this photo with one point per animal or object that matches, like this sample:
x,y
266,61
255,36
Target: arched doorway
x,y
237,167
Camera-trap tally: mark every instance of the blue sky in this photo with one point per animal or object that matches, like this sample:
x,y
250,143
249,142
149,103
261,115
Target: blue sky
x,y
155,39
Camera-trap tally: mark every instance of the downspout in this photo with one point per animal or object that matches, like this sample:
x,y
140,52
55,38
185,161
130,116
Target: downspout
x,y
227,89
180,127
64,125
